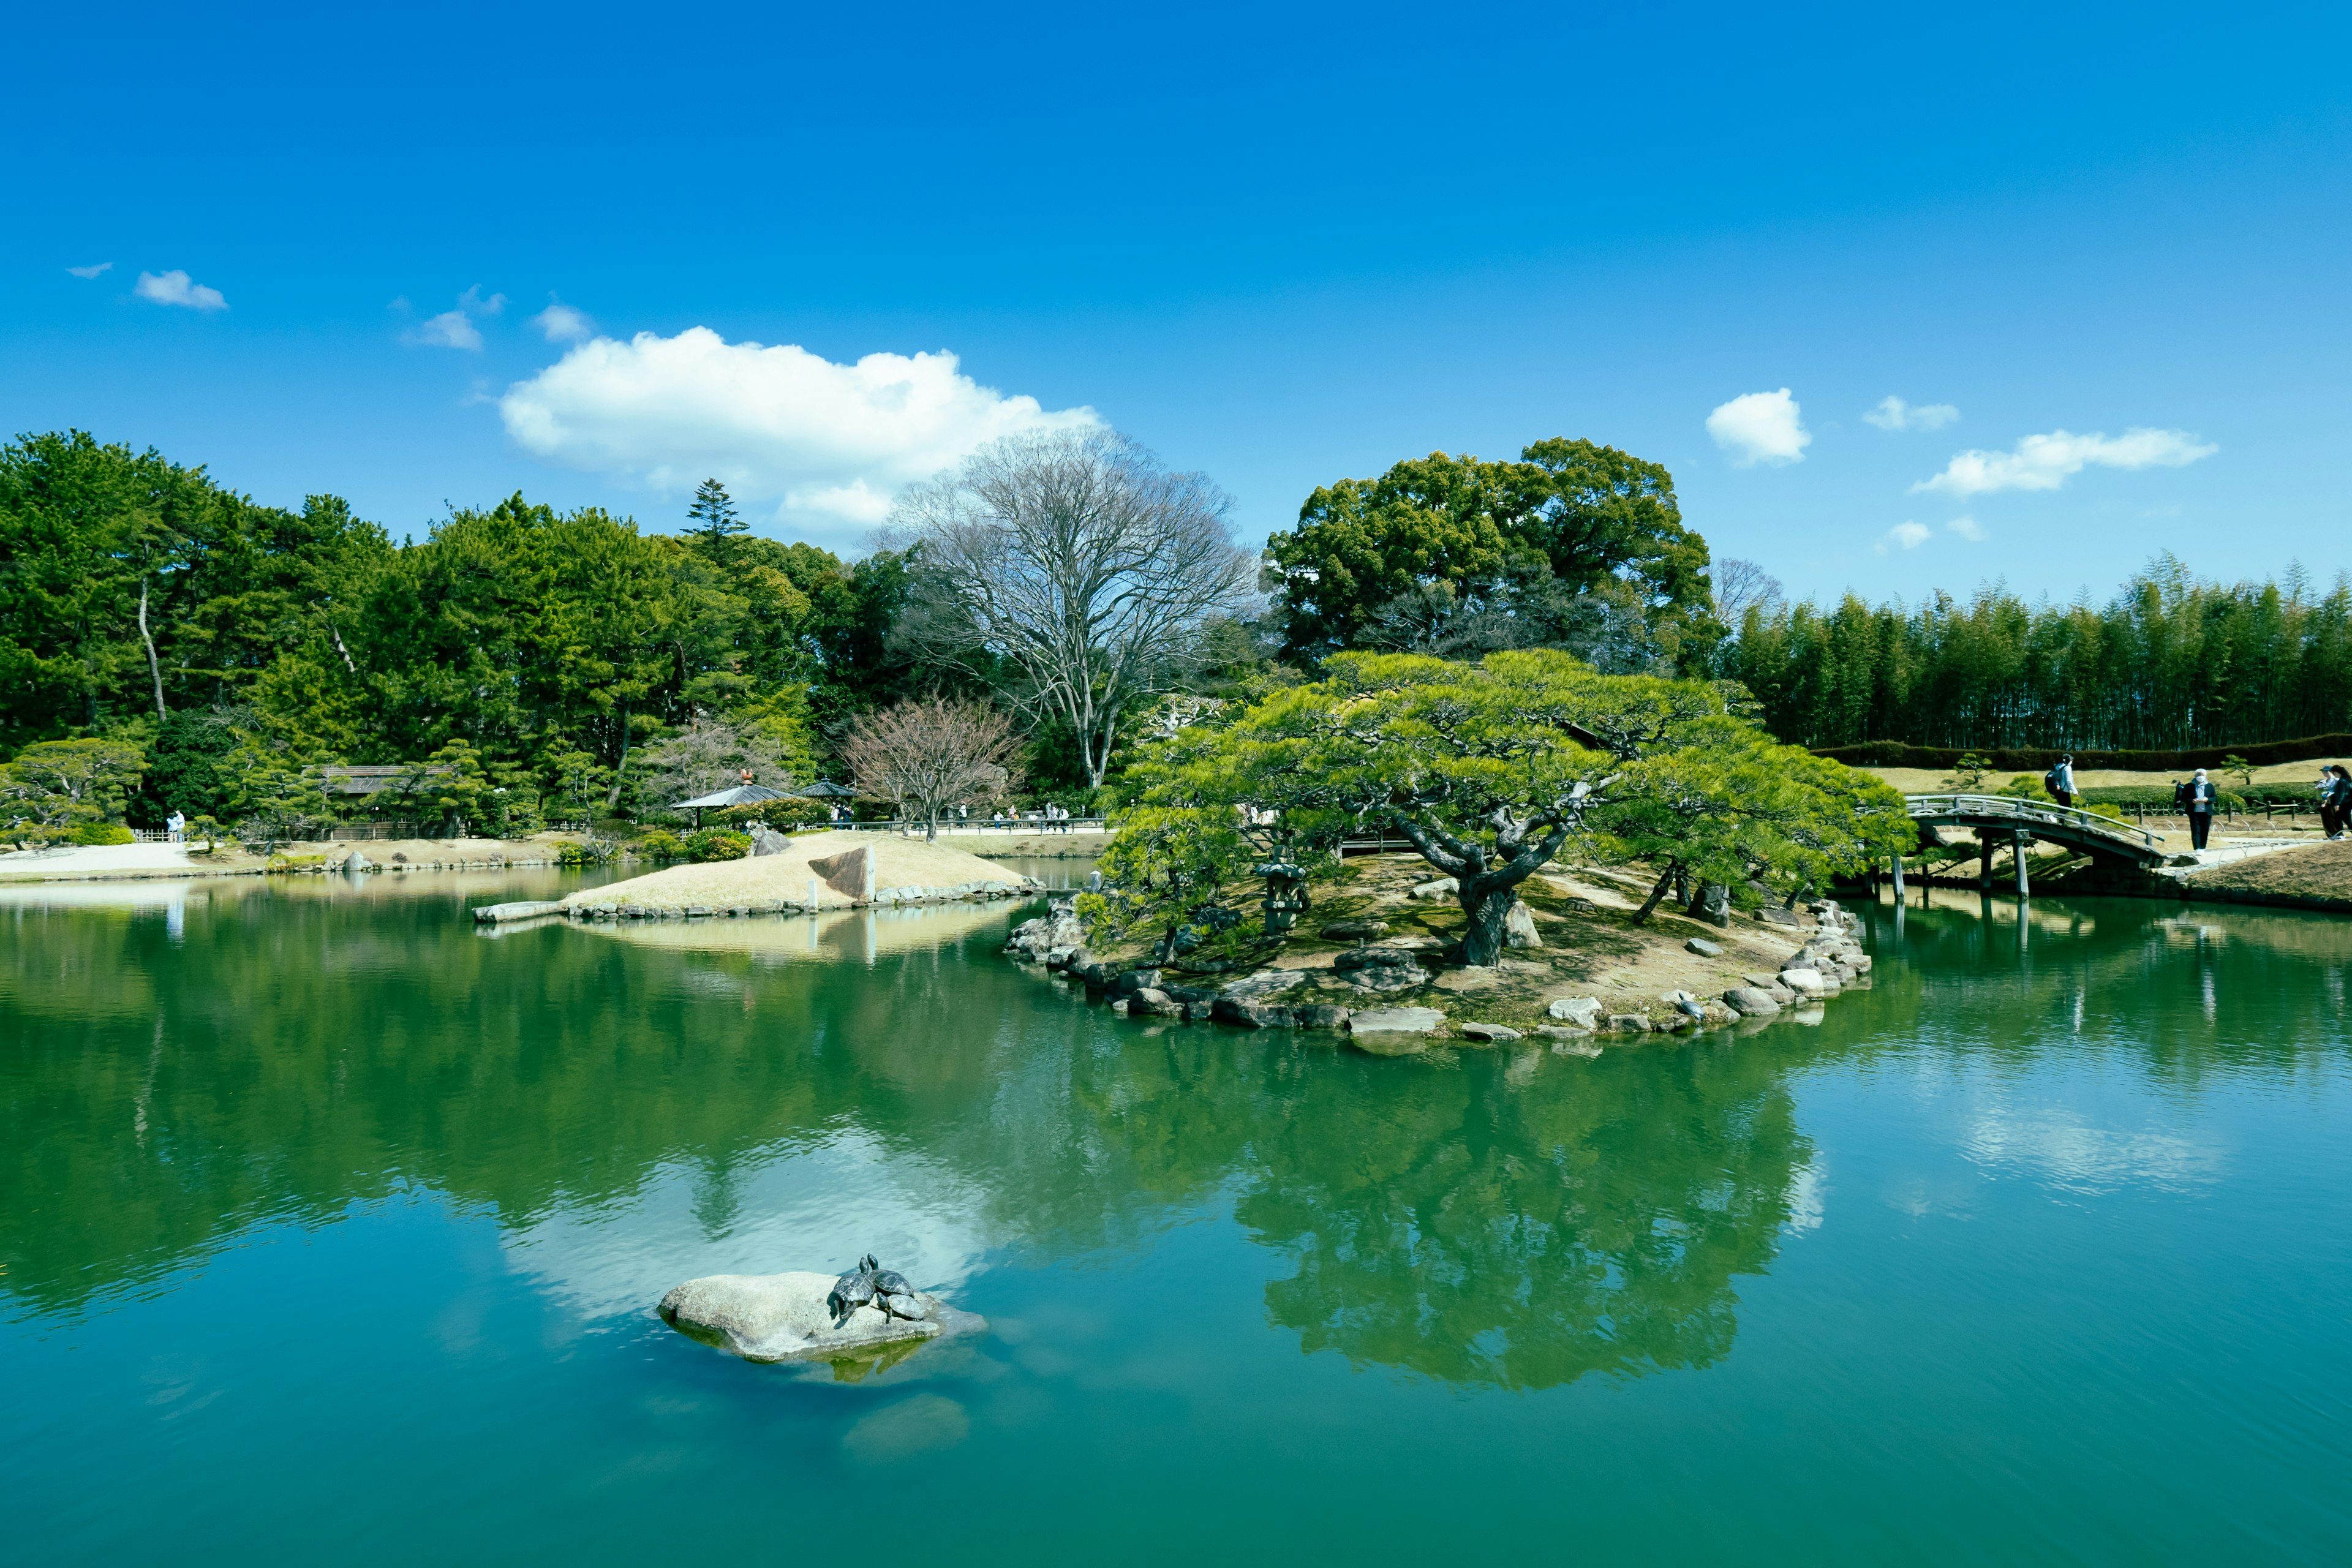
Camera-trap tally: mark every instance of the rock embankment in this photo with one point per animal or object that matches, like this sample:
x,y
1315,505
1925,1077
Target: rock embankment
x,y
1830,960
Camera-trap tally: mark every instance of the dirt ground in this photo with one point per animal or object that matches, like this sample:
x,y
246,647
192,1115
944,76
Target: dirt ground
x,y
785,878
2321,871
1591,948
1935,781
230,859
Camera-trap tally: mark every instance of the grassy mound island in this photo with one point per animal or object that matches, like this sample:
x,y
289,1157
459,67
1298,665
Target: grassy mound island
x,y
823,870
1227,867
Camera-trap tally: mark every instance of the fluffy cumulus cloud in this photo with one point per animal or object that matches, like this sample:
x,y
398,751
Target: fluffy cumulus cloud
x,y
1760,427
2046,462
1894,414
177,288
775,422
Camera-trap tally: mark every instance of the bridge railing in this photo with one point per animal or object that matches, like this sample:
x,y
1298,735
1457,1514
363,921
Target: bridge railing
x,y
2029,815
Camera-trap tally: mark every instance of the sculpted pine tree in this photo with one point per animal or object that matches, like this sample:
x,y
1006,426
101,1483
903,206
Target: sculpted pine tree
x,y
1489,770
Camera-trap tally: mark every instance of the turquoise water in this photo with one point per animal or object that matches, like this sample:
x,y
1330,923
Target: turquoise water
x,y
332,1228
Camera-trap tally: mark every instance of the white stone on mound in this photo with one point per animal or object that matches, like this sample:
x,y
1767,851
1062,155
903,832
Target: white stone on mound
x,y
782,1316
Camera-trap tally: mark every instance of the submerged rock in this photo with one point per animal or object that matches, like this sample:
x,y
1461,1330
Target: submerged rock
x,y
1396,1021
782,1316
1488,1032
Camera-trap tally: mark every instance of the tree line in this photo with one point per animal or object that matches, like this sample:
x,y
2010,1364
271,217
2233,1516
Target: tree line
x,y
2169,663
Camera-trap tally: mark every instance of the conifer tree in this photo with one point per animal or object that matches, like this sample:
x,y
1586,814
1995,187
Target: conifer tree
x,y
714,512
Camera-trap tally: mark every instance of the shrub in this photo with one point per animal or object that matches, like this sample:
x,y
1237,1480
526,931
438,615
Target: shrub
x,y
100,833
661,843
591,853
716,844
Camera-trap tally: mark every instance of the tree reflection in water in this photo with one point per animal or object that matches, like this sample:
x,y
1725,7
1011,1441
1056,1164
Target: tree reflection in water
x,y
1463,1217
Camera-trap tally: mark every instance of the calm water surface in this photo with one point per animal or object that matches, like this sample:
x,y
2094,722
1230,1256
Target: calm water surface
x,y
331,1229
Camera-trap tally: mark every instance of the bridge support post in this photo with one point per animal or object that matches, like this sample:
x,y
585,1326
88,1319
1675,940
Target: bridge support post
x,y
1984,860
1895,862
2017,854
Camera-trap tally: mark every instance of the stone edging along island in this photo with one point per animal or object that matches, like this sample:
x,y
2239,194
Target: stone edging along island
x,y
1830,961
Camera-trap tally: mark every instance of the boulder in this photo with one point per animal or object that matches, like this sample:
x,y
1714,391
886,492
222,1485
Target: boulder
x,y
1491,1032
1805,982
1750,1002
1443,887
1247,1014
1320,1016
1704,948
1627,1024
1519,927
1355,930
1585,1012
355,861
1380,969
1561,1031
1771,916
1154,1002
1133,981
1382,1024
782,1316
1265,983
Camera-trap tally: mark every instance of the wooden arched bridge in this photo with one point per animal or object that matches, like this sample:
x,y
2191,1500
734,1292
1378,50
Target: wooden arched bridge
x,y
1995,816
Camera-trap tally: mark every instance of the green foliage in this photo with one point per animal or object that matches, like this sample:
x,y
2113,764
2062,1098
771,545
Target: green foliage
x,y
101,833
453,786
1180,873
1491,769
2234,763
715,523
184,771
2170,662
715,843
2025,786
1512,541
55,784
576,786
1969,774
661,844
590,854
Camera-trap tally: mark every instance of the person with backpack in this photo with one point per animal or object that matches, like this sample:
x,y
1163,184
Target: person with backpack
x,y
2060,781
2197,797
2336,800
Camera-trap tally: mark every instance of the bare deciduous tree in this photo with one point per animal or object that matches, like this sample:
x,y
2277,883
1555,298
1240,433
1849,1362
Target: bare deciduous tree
x,y
931,756
709,755
1074,563
1739,586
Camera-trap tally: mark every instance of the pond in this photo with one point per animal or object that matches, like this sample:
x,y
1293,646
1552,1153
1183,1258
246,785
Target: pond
x,y
332,1228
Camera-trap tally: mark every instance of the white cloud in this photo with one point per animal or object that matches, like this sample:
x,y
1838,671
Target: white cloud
x,y
1894,414
449,330
94,271
2046,462
1760,427
454,329
1909,535
778,422
175,288
563,324
1968,528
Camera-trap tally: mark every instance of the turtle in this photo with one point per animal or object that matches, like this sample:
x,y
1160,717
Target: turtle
x,y
871,1285
890,1282
853,1291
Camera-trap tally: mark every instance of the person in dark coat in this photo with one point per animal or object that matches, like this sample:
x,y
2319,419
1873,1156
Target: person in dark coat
x,y
2061,781
2197,797
2335,808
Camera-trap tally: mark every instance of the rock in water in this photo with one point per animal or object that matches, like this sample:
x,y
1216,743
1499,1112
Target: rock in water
x,y
1582,1011
782,1316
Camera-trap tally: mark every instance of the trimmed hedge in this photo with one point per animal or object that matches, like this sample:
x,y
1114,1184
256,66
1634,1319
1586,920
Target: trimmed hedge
x,y
2269,753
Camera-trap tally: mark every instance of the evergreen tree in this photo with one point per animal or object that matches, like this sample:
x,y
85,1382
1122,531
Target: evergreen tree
x,y
714,512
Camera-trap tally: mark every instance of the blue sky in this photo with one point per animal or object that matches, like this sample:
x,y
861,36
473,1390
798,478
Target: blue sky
x,y
1283,247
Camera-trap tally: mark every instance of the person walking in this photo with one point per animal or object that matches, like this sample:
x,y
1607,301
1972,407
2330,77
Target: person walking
x,y
175,828
2199,797
2062,780
2336,808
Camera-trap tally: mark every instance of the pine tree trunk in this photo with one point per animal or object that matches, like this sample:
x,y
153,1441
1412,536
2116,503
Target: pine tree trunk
x,y
1657,894
1490,913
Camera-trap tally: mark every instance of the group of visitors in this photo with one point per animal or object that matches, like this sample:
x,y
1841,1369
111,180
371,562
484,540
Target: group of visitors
x,y
1056,818
2335,799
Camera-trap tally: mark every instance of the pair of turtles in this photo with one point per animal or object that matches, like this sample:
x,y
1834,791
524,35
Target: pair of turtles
x,y
871,1285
